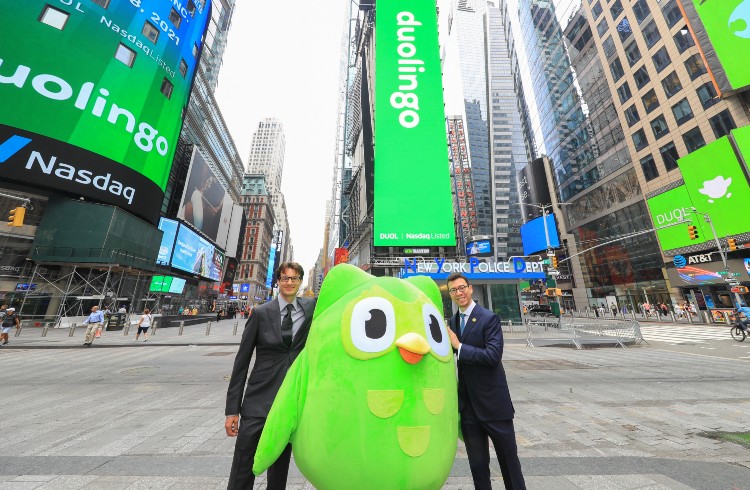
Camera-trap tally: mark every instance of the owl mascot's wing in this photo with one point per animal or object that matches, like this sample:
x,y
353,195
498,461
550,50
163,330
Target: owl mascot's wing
x,y
284,416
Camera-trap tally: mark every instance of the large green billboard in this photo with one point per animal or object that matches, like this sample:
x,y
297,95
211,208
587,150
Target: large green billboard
x,y
672,207
413,203
727,25
93,95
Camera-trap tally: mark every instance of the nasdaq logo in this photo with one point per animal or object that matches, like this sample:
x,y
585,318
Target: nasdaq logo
x,y
11,146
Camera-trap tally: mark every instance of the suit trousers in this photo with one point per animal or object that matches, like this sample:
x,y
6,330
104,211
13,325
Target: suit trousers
x,y
503,435
241,477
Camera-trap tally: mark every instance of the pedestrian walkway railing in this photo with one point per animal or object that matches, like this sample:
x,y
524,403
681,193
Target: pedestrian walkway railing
x,y
579,331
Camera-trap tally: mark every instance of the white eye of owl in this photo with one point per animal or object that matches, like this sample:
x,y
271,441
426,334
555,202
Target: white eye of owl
x,y
434,327
373,326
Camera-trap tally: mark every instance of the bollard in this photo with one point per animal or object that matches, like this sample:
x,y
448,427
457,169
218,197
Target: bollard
x,y
126,329
182,327
726,317
153,329
632,313
689,316
208,328
673,319
72,330
234,331
45,330
18,330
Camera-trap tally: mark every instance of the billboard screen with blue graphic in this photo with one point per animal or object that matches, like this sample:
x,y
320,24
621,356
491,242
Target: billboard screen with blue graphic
x,y
169,227
479,248
534,237
194,254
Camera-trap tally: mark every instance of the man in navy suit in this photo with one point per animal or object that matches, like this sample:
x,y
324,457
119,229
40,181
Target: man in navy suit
x,y
483,397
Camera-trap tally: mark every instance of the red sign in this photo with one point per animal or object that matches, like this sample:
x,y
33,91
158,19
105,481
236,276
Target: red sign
x,y
340,256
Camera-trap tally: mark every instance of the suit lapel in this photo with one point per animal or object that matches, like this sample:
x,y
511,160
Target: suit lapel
x,y
274,318
305,327
471,320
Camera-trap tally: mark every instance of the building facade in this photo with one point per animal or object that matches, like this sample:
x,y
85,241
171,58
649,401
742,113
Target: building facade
x,y
257,239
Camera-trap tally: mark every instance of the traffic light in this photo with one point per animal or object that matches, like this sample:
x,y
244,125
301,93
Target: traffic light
x,y
553,262
731,244
693,232
16,216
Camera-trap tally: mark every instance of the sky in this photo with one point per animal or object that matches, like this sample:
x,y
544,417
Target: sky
x,y
282,60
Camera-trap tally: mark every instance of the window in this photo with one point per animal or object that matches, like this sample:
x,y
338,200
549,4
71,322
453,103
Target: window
x,y
707,94
682,111
175,18
616,68
597,10
651,34
602,27
191,8
659,127
641,77
683,39
649,168
722,123
650,102
183,68
609,47
640,7
661,59
623,91
615,9
693,140
639,140
695,66
670,156
54,17
102,3
671,84
623,29
632,116
150,31
632,53
672,13
125,54
166,88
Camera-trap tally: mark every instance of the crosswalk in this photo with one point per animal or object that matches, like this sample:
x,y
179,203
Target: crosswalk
x,y
684,334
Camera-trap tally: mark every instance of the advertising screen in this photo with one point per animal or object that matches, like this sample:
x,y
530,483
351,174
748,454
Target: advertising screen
x,y
705,273
217,265
479,248
177,286
534,238
205,203
671,207
192,253
413,203
271,262
169,227
116,79
727,24
160,284
719,188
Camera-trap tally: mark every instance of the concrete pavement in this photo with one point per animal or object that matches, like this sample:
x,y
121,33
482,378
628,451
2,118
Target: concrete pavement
x,y
122,414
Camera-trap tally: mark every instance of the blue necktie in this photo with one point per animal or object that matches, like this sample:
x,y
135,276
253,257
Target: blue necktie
x,y
463,322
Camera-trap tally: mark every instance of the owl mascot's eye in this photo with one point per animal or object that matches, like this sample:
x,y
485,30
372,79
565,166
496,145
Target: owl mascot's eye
x,y
435,330
373,327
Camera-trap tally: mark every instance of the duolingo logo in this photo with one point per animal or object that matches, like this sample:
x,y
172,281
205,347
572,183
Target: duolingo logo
x,y
739,21
716,188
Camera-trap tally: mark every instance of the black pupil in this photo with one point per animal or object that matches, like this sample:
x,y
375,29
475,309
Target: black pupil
x,y
375,326
435,331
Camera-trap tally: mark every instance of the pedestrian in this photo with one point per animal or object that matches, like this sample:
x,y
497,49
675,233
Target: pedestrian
x,y
94,322
277,335
143,325
9,320
218,315
484,402
613,307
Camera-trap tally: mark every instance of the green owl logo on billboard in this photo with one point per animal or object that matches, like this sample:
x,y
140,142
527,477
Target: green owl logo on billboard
x,y
94,93
727,23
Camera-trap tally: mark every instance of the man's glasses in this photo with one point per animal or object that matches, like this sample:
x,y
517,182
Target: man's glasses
x,y
459,289
293,279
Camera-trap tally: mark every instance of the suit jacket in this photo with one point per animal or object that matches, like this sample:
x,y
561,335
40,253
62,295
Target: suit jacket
x,y
272,359
481,377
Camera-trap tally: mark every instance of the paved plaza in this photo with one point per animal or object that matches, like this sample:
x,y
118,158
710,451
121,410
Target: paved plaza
x,y
124,414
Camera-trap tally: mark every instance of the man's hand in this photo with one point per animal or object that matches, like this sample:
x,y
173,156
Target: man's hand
x,y
232,425
454,340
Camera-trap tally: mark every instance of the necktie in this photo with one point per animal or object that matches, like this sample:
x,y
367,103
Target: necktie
x,y
286,326
463,322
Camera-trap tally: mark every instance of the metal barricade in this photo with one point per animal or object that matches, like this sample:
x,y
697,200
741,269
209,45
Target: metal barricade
x,y
551,330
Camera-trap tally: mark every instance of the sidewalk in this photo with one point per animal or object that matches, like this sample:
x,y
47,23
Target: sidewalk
x,y
151,415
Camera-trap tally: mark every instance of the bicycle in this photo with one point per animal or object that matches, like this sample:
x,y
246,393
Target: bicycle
x,y
738,333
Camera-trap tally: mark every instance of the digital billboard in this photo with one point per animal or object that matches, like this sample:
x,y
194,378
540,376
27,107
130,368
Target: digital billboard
x,y
230,271
169,227
193,253
93,96
167,284
671,207
727,25
413,203
479,248
705,273
717,185
205,203
534,237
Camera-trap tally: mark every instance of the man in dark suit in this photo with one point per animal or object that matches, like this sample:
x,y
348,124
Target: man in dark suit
x,y
483,396
277,332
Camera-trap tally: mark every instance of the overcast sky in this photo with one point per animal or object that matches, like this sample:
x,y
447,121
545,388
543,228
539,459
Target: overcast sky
x,y
282,61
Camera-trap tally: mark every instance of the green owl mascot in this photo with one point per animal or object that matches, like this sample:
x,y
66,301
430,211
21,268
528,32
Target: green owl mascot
x,y
371,401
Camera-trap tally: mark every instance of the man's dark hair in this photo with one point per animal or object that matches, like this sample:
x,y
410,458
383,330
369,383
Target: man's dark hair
x,y
290,265
456,275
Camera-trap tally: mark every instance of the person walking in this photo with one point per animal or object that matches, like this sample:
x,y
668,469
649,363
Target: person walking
x,y
143,325
8,320
276,332
94,322
484,401
219,314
